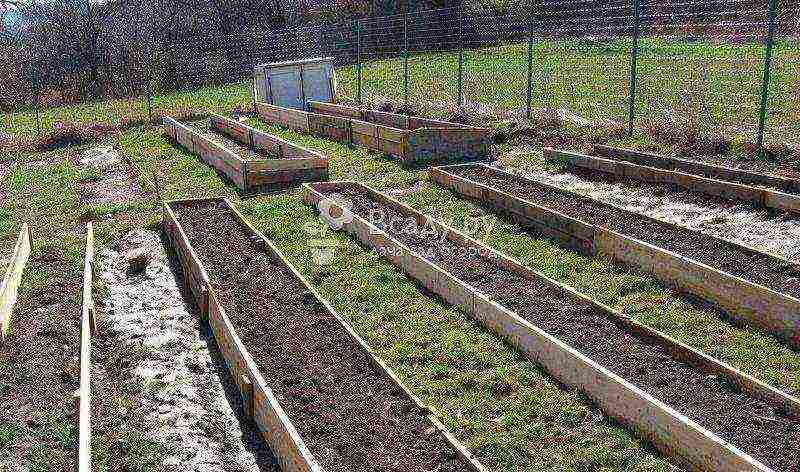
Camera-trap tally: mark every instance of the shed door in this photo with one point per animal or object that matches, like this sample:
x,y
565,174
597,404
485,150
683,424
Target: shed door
x,y
285,85
316,82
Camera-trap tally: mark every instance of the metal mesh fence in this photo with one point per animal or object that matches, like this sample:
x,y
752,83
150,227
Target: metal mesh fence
x,y
676,67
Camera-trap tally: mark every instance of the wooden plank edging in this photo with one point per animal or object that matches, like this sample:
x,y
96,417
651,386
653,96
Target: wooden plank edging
x,y
744,300
376,361
290,155
672,432
13,278
88,326
720,172
268,414
709,186
292,165
440,140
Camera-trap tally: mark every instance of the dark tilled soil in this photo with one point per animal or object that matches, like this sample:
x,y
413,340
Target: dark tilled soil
x,y
351,417
747,264
245,152
753,425
40,369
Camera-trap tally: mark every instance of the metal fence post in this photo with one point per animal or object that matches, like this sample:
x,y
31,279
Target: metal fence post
x,y
38,114
405,56
529,105
461,55
358,39
154,61
762,117
634,67
36,79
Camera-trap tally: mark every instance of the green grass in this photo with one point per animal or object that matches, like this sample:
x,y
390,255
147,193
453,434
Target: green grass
x,y
8,433
715,85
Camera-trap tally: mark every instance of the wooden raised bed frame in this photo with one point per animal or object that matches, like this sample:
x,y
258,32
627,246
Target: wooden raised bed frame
x,y
12,279
749,302
670,431
292,163
410,139
261,403
82,397
647,168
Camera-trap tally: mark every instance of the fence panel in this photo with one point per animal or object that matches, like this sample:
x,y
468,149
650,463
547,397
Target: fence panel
x,y
433,59
381,47
783,118
496,60
582,59
700,68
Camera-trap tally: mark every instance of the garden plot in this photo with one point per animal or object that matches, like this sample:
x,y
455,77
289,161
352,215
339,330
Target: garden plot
x,y
760,228
753,287
688,175
249,158
321,398
413,140
149,335
638,376
40,368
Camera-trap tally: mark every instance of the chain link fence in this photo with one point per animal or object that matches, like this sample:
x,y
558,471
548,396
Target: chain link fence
x,y
677,68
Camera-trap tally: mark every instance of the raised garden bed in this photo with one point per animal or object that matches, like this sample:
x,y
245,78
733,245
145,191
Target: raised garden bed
x,y
12,279
44,367
753,287
249,158
411,139
322,400
685,174
693,408
740,176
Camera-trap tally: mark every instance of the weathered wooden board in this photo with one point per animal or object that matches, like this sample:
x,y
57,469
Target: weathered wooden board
x,y
233,129
88,324
691,182
13,278
293,162
392,120
278,177
682,176
335,110
193,272
391,133
669,430
290,118
743,300
700,168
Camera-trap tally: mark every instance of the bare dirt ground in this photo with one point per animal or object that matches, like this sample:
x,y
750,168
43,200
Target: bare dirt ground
x,y
188,394
112,180
774,232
